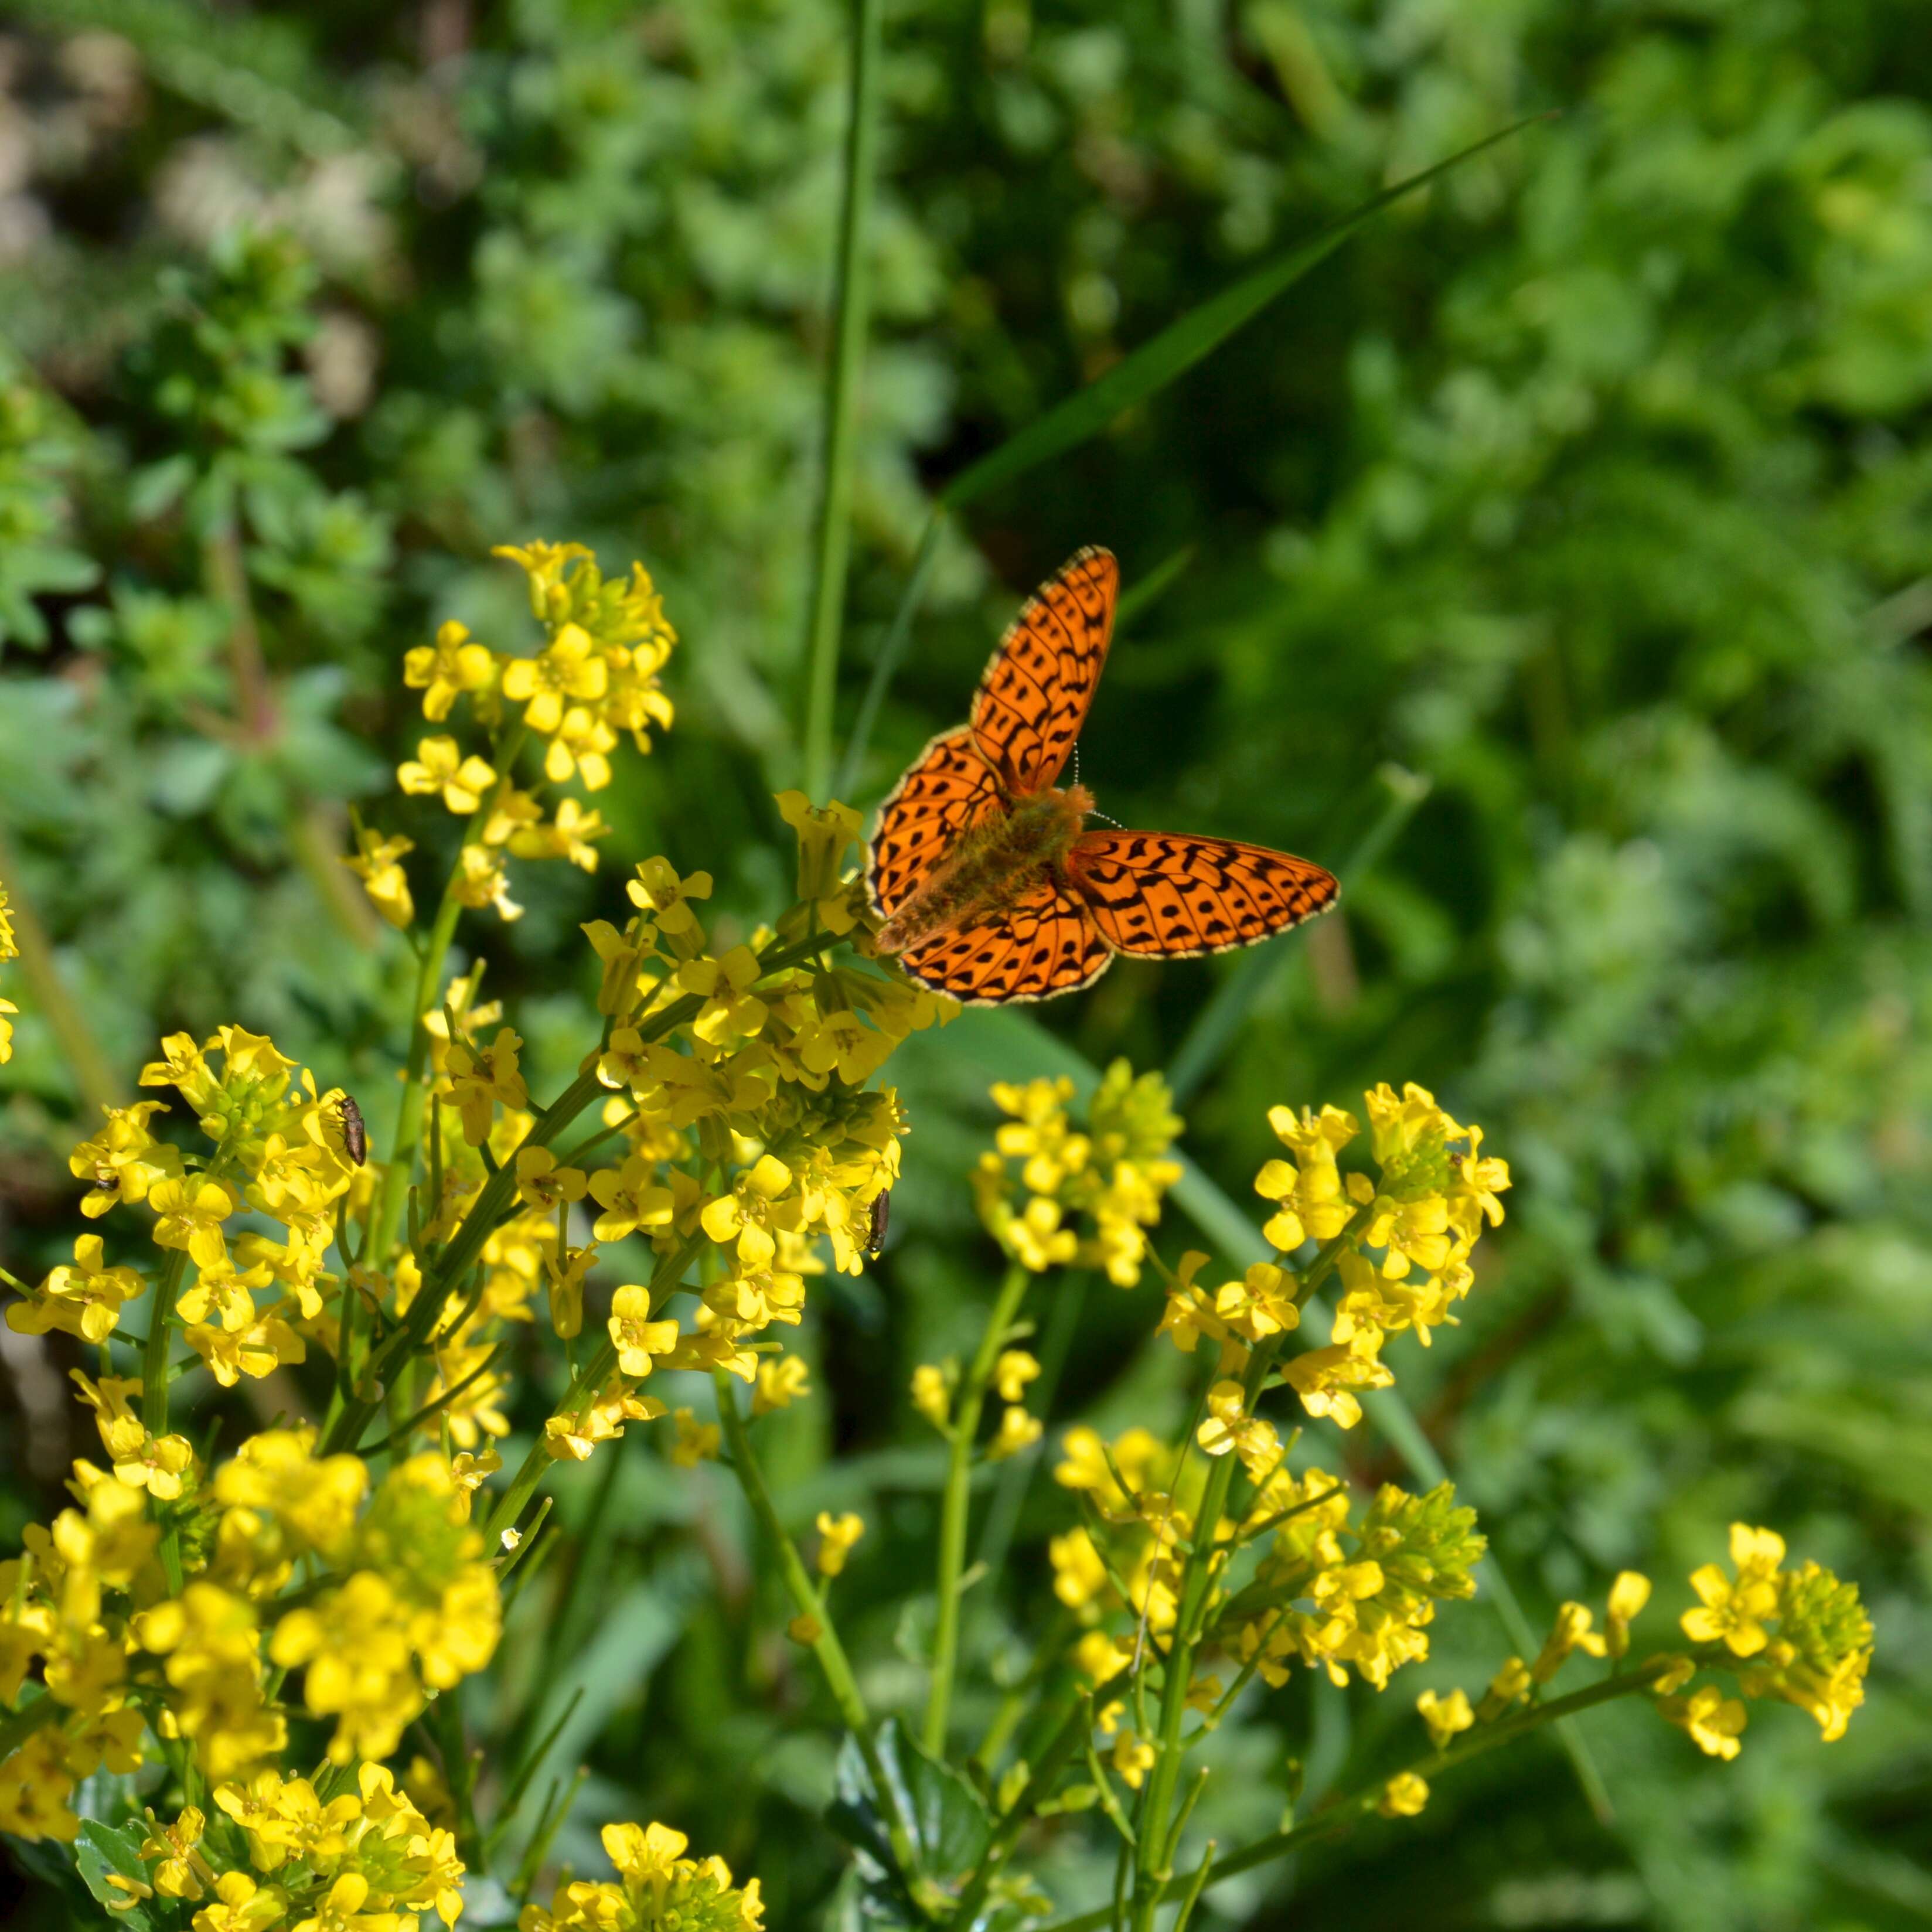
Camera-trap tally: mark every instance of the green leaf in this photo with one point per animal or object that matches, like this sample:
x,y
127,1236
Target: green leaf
x,y
946,1817
101,1850
1180,345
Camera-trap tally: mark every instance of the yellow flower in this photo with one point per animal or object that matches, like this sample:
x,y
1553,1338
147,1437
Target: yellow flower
x,y
481,880
256,1351
1628,1595
480,1078
443,671
751,1214
156,1464
123,1161
191,1213
836,1536
1079,1576
1260,1304
1133,1757
1018,1430
824,832
566,1276
782,1380
440,767
82,1299
582,742
731,1013
696,1441
1734,1613
1403,1796
542,1184
1312,1203
1445,1716
569,668
932,1393
1012,1372
636,1337
1229,1426
1570,1631
567,836
1511,1684
658,891
1715,1722
1326,1378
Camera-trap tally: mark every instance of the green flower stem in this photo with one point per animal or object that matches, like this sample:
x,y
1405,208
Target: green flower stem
x,y
809,1601
155,1353
1347,1811
958,1501
401,1168
1155,1853
842,401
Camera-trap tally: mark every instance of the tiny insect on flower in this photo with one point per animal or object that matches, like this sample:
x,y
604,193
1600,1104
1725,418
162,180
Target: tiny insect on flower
x,y
355,1131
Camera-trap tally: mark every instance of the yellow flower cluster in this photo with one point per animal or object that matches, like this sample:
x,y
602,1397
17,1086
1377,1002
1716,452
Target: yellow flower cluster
x,y
1055,1195
1372,1584
658,1889
595,678
280,1854
1801,1636
1403,1263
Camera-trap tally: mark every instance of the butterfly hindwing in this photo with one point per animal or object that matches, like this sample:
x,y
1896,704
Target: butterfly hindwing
x,y
1169,895
1045,943
949,789
1033,698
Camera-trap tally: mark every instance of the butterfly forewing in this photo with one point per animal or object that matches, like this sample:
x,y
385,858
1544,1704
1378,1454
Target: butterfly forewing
x,y
1046,943
1033,698
1167,895
949,790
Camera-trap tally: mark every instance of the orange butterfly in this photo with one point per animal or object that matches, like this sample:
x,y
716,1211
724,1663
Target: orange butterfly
x,y
990,889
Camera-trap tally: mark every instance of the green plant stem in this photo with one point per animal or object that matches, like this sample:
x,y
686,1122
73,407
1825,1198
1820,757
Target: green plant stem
x,y
401,1169
1346,1811
1154,1854
154,1352
809,1601
841,398
47,992
958,1501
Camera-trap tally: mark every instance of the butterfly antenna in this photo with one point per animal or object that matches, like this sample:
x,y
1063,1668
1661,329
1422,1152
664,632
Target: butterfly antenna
x,y
1114,822
1076,761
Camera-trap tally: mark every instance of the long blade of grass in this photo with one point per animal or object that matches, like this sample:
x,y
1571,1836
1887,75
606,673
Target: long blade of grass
x,y
1219,1021
851,313
1021,1047
885,667
1087,412
1181,344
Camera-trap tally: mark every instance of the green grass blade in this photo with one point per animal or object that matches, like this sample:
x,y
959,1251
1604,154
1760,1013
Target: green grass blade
x,y
1020,1047
1220,1020
886,666
1180,345
1154,586
851,313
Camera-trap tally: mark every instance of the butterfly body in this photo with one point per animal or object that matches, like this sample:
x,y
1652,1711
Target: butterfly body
x,y
994,866
989,885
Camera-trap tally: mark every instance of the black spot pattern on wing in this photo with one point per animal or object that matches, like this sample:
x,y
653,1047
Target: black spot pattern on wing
x,y
1047,943
948,789
1169,895
1033,698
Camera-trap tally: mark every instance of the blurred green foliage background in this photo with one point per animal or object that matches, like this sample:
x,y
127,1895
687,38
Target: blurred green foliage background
x,y
1592,487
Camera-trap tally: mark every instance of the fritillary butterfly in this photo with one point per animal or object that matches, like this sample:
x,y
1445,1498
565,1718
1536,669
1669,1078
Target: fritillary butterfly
x,y
991,888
